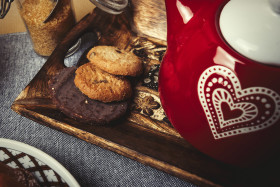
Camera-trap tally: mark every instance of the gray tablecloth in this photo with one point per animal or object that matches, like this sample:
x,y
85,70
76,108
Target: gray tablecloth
x,y
89,164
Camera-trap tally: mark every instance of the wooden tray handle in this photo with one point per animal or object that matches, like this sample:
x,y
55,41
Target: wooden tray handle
x,y
70,39
93,22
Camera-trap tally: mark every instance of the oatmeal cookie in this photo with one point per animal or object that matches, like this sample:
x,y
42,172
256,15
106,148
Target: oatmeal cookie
x,y
115,61
100,85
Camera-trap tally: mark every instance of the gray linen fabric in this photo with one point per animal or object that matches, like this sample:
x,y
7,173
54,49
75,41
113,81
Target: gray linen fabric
x,y
89,164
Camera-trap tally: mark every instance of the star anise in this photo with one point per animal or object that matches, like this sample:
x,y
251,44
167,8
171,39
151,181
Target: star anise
x,y
147,104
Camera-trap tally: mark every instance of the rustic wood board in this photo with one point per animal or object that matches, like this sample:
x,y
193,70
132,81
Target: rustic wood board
x,y
144,134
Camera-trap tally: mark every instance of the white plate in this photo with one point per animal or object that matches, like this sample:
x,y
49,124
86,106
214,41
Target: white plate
x,y
45,168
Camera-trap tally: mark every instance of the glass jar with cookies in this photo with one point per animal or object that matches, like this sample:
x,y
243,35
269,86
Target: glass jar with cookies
x,y
47,22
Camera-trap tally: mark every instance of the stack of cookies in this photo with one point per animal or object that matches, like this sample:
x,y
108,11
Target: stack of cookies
x,y
98,91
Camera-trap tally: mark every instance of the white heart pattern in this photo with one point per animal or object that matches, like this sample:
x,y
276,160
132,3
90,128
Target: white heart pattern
x,y
231,110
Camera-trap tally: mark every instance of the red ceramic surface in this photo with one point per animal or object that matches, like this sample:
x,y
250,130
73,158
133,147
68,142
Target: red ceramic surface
x,y
224,104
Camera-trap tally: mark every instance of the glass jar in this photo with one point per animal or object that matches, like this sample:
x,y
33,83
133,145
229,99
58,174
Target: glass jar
x,y
46,33
111,6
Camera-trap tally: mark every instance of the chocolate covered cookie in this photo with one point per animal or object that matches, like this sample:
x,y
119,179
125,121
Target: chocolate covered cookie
x,y
16,177
115,61
72,102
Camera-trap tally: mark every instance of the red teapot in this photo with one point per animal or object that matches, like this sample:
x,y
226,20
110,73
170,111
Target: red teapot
x,y
219,81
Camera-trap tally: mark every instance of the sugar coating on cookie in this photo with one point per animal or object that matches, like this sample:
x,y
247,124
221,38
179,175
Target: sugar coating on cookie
x,y
115,61
100,85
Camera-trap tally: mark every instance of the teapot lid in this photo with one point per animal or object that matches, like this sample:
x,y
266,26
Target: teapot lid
x,y
252,28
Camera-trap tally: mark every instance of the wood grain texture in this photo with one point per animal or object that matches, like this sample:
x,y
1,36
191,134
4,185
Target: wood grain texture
x,y
143,11
141,135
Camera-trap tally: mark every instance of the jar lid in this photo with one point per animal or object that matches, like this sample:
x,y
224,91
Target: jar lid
x,y
252,28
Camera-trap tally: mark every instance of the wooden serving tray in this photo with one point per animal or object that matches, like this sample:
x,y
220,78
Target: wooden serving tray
x,y
144,134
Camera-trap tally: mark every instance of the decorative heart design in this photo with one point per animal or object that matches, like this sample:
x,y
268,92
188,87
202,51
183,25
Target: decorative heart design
x,y
231,110
233,113
222,96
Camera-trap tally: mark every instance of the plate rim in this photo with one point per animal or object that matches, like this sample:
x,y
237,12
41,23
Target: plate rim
x,y
42,156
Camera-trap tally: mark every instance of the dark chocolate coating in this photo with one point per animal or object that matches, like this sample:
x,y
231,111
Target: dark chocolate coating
x,y
72,102
16,177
